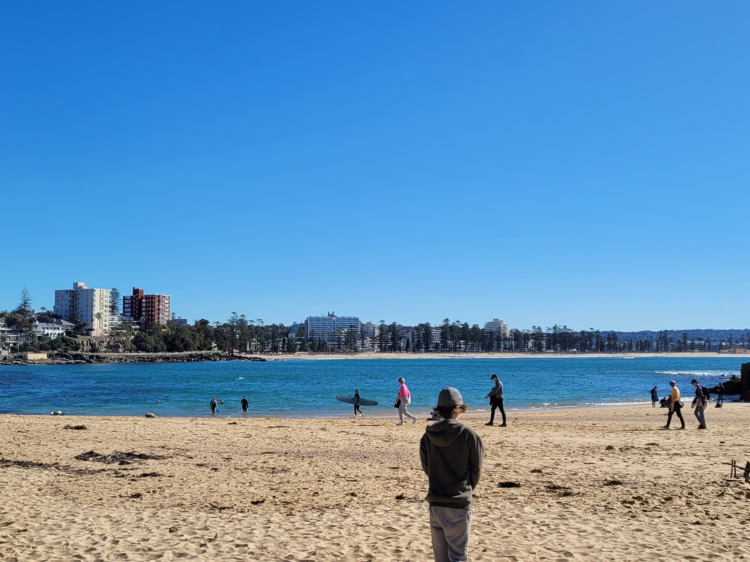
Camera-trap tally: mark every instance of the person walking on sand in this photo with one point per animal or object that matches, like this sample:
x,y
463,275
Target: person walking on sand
x,y
675,407
700,402
403,401
720,398
356,403
244,404
213,405
654,397
452,454
496,401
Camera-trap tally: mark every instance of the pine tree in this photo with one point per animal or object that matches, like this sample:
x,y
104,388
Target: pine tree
x,y
114,302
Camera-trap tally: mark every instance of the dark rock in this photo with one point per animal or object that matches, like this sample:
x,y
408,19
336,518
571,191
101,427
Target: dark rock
x,y
116,457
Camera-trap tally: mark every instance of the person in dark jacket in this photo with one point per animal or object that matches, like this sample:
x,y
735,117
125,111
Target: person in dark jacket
x,y
496,401
699,404
213,405
452,455
244,403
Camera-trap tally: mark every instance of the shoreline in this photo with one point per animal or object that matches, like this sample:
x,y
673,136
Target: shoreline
x,y
421,413
396,356
78,358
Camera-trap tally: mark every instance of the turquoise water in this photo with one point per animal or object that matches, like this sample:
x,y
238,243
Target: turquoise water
x,y
309,387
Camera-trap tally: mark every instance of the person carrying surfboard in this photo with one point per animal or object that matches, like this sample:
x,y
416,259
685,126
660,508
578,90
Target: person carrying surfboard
x,y
356,404
402,402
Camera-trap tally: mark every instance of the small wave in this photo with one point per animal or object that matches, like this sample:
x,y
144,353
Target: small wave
x,y
698,373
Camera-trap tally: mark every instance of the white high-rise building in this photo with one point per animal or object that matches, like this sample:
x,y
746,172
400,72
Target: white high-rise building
x,y
494,325
89,305
327,327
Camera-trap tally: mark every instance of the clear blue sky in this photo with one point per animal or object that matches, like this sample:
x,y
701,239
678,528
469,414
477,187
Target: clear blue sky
x,y
585,163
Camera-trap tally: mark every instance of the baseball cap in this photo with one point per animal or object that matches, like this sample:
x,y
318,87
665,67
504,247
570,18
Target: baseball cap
x,y
493,377
449,397
692,381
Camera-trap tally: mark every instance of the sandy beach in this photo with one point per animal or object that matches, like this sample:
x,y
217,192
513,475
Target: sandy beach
x,y
595,484
370,355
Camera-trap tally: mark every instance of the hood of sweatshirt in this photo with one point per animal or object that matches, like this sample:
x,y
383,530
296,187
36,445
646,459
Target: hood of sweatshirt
x,y
444,433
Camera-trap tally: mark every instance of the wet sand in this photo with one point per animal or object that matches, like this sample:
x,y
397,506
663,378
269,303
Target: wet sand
x,y
595,484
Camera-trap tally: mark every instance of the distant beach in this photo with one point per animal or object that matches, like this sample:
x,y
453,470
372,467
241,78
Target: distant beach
x,y
496,355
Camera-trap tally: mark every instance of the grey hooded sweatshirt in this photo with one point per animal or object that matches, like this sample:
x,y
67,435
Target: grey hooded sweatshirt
x,y
452,455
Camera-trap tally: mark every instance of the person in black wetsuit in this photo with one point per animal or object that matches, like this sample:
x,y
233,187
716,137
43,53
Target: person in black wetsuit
x,y
244,403
356,403
654,397
213,405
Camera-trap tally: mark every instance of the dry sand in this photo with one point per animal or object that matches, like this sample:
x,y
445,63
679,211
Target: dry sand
x,y
323,489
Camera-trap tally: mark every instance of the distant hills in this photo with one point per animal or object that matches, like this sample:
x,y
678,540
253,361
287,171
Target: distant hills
x,y
714,335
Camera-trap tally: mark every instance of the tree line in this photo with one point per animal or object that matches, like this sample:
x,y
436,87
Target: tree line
x,y
240,334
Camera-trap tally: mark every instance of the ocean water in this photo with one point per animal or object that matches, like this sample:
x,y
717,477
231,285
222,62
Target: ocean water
x,y
309,387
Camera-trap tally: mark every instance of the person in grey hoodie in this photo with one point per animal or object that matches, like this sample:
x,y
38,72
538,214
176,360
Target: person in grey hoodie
x,y
496,401
452,455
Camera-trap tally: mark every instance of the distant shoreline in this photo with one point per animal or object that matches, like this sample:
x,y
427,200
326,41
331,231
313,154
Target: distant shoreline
x,y
208,357
501,355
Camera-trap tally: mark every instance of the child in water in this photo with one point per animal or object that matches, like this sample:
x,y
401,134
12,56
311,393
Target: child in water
x,y
356,403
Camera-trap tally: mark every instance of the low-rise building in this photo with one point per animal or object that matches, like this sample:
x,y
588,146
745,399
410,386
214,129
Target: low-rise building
x,y
8,336
53,330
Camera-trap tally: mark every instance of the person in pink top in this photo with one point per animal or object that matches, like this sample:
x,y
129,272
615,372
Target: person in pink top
x,y
403,401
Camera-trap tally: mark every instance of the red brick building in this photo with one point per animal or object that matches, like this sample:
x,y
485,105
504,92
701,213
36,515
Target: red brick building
x,y
147,309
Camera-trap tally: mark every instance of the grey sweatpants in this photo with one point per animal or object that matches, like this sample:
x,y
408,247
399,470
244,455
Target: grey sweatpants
x,y
450,533
700,413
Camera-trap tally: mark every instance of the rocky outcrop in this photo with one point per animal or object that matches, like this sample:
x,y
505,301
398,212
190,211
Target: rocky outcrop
x,y
81,358
736,386
99,344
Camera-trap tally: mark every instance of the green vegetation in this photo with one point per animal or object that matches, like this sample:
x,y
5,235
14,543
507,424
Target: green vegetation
x,y
238,334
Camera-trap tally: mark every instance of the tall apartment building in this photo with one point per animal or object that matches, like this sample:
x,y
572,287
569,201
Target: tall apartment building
x,y
89,305
148,309
326,327
494,325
